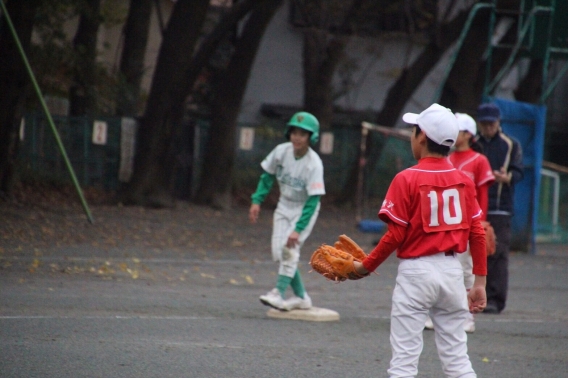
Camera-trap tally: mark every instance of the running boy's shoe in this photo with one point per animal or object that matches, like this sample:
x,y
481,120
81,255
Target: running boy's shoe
x,y
273,299
296,302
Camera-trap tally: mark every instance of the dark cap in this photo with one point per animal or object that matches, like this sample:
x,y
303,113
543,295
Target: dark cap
x,y
488,113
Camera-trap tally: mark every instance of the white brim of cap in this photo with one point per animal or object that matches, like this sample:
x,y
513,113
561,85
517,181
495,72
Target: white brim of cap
x,y
410,118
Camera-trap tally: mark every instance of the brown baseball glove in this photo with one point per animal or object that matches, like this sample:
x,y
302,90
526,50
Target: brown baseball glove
x,y
336,263
490,239
346,244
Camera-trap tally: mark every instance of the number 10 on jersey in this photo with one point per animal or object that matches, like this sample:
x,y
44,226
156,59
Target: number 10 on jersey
x,y
443,208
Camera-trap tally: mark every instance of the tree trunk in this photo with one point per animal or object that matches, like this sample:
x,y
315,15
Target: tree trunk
x,y
132,60
215,184
151,183
15,84
211,41
465,86
82,96
320,59
462,91
411,77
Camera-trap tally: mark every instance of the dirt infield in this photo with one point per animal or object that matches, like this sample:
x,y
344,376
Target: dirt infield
x,y
40,220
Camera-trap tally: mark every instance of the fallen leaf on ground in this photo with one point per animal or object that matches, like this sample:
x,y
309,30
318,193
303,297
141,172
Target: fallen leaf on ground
x,y
248,279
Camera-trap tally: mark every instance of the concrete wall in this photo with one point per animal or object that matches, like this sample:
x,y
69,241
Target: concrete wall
x,y
369,69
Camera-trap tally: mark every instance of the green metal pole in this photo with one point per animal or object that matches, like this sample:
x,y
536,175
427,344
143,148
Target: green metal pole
x,y
547,53
489,52
548,90
458,47
46,110
505,69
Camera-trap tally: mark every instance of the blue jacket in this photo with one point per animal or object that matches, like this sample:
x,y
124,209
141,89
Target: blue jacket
x,y
503,150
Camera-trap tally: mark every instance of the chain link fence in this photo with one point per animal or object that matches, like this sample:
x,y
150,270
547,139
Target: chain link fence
x,y
101,151
95,147
92,145
338,149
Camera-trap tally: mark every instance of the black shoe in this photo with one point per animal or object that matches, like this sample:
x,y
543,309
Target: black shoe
x,y
491,308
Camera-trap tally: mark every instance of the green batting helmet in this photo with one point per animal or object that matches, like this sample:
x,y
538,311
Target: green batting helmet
x,y
305,121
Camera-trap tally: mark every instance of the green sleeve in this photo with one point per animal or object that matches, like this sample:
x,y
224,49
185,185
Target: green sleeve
x,y
307,213
263,188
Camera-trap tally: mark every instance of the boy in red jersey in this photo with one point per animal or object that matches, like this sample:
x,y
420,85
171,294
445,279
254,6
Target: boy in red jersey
x,y
431,212
467,157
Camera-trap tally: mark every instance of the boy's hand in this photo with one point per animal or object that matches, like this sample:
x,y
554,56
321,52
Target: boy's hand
x,y
253,212
502,176
293,239
360,269
476,297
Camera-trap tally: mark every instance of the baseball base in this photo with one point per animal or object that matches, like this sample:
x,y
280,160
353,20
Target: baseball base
x,y
314,314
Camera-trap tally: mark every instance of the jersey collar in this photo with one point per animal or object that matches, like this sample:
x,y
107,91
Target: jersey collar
x,y
435,163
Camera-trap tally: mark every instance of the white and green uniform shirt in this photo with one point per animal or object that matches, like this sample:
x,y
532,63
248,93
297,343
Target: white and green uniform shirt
x,y
297,178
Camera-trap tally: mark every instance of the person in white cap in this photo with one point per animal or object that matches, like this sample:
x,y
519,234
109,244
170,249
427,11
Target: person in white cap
x,y
432,213
467,157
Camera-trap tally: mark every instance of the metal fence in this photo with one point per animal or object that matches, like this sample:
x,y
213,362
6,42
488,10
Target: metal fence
x,y
254,143
99,160
553,206
92,145
95,146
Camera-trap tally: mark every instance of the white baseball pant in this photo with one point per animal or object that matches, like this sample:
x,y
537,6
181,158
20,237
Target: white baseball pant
x,y
467,266
431,285
286,216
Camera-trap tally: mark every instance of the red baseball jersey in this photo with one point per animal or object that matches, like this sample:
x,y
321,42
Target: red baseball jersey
x,y
436,203
474,165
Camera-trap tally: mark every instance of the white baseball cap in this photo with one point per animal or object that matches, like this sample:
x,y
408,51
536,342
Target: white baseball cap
x,y
466,123
437,122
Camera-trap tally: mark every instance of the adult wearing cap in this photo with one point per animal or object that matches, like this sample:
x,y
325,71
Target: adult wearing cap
x,y
506,159
431,213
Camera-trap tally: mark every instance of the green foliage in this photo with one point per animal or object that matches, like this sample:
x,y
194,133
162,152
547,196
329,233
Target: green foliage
x,y
51,54
106,91
53,59
114,12
51,18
